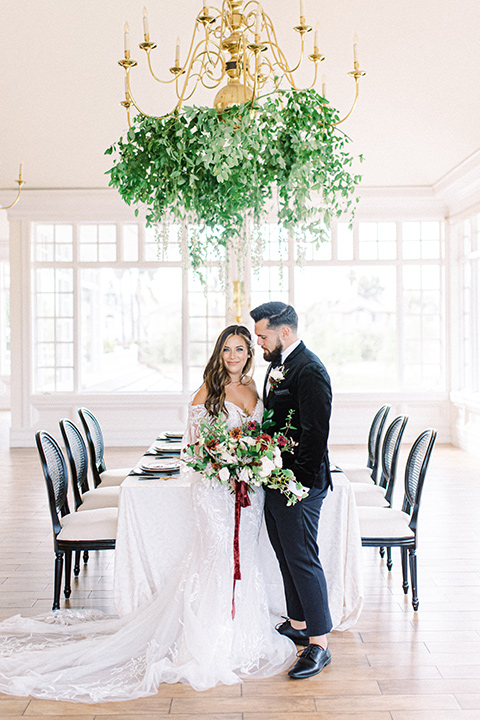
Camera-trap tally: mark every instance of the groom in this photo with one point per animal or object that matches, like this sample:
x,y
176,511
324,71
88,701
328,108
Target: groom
x,y
296,379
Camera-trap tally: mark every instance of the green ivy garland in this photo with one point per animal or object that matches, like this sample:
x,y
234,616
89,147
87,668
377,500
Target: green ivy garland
x,y
218,172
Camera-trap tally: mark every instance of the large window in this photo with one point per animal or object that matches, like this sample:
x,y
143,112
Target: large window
x,y
115,310
467,234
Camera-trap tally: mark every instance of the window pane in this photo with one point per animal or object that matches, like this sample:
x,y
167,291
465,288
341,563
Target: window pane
x,y
377,241
45,330
206,321
130,242
420,240
64,330
344,242
64,354
348,318
64,379
107,234
273,242
269,283
88,234
131,330
88,253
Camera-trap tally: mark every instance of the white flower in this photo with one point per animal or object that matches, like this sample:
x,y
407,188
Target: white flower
x,y
277,374
244,475
299,492
267,467
228,459
277,458
224,474
248,440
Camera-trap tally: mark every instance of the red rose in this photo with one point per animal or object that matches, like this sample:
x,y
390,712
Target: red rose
x,y
264,440
282,441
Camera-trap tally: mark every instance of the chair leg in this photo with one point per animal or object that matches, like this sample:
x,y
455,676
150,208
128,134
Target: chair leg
x,y
382,552
404,570
413,574
85,556
68,573
76,567
389,558
58,580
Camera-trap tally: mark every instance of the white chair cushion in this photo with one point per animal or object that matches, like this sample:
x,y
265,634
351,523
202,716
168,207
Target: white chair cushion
x,y
369,495
110,478
102,497
357,474
99,524
384,523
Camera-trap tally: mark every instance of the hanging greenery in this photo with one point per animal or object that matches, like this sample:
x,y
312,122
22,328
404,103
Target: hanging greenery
x,y
219,172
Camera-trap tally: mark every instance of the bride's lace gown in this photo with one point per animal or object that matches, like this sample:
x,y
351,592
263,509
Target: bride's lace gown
x,y
185,634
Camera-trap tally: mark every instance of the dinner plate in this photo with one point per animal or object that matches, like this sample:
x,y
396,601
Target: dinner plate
x,y
166,465
173,435
166,446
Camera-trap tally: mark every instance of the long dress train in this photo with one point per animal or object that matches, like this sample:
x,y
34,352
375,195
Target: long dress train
x,y
185,634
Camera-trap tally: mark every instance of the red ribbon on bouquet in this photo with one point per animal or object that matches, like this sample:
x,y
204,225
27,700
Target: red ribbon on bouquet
x,y
241,500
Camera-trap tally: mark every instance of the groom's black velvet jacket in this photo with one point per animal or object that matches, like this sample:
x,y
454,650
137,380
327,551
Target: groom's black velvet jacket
x,y
305,388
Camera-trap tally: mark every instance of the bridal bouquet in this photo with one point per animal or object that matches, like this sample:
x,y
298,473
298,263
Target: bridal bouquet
x,y
245,454
244,458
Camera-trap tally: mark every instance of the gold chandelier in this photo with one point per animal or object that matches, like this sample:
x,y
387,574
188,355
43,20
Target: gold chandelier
x,y
20,182
238,44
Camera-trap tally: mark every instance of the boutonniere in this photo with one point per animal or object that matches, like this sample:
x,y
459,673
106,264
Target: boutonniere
x,y
276,376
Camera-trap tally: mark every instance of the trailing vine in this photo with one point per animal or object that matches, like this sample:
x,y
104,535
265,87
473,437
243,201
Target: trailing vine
x,y
219,172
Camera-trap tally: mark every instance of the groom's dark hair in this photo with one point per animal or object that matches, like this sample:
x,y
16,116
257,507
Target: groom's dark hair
x,y
277,314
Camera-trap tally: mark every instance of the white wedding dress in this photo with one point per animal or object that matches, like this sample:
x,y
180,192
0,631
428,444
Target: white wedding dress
x,y
185,634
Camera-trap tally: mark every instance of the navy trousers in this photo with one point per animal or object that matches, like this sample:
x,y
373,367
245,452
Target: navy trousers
x,y
293,533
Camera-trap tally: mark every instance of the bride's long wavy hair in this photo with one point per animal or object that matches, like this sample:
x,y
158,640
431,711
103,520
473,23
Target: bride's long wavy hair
x,y
216,376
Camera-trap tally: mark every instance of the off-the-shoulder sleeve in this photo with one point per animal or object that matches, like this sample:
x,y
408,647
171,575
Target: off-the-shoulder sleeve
x,y
196,413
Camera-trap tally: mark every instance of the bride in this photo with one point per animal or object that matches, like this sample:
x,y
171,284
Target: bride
x,y
186,632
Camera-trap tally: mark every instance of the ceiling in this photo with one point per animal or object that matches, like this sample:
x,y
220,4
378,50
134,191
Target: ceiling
x,y
417,117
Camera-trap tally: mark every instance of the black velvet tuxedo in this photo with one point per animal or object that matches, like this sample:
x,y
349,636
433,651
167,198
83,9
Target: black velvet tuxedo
x,y
306,389
293,530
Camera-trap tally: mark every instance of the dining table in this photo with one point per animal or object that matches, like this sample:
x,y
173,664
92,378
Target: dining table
x,y
156,534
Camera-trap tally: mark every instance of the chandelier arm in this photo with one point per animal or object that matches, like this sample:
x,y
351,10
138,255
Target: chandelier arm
x,y
255,80
127,104
211,60
223,15
310,87
7,207
183,96
190,59
152,73
265,61
352,108
136,105
275,47
197,75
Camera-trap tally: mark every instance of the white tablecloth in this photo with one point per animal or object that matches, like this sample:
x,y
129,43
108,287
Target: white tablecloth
x,y
155,534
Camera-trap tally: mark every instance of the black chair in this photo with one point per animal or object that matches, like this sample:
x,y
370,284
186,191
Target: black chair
x,y
85,499
72,532
385,527
370,495
96,449
370,472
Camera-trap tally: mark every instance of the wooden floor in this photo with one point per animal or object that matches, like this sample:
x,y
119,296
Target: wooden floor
x,y
394,665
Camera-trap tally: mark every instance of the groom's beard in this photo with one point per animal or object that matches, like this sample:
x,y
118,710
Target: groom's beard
x,y
274,356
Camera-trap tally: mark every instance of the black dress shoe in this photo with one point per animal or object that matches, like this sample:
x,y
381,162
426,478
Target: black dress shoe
x,y
312,661
299,637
